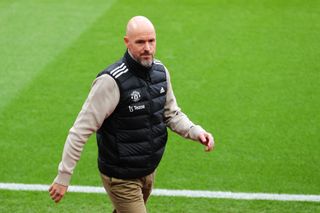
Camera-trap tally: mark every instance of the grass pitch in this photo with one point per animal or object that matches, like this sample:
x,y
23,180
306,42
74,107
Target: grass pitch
x,y
248,71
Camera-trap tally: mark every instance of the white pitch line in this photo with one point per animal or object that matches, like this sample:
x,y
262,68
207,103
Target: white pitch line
x,y
179,193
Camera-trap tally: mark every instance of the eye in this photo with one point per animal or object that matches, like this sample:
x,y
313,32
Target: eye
x,y
139,42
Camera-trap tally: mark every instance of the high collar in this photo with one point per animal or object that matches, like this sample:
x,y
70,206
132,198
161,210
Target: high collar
x,y
136,67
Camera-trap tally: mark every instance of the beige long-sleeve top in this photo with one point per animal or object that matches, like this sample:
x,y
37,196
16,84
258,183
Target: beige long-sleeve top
x,y
100,103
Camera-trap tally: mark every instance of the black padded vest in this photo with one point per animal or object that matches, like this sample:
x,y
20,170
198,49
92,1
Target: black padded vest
x,y
132,139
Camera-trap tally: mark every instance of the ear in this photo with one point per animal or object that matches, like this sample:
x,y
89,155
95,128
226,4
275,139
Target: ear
x,y
126,41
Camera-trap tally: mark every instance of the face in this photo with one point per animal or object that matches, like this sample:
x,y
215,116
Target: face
x,y
142,46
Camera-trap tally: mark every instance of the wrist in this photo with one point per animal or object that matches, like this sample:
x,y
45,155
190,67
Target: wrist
x,y
195,132
63,179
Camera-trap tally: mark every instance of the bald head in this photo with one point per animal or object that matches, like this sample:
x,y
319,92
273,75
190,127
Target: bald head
x,y
140,40
139,24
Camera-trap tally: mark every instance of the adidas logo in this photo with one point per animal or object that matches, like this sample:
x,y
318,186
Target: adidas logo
x,y
162,90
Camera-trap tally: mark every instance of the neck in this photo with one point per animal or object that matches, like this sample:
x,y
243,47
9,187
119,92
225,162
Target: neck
x,y
135,66
132,56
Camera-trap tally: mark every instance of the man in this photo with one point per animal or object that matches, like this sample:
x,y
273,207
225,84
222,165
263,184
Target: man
x,y
129,107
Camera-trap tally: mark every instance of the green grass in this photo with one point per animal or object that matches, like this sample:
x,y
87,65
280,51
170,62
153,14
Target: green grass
x,y
247,71
76,202
34,33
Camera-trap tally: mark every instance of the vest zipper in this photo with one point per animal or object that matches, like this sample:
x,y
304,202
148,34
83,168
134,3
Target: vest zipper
x,y
148,81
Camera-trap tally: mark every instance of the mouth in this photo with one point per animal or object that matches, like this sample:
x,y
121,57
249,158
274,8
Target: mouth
x,y
147,56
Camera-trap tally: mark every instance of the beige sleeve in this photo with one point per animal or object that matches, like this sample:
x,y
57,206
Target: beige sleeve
x,y
176,120
100,103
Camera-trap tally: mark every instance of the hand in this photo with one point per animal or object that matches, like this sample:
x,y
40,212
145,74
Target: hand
x,y
207,140
57,191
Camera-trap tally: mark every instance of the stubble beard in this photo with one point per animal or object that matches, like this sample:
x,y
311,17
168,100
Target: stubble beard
x,y
143,62
146,63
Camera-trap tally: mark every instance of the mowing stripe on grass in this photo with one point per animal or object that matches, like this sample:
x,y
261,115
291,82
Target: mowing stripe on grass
x,y
33,33
178,193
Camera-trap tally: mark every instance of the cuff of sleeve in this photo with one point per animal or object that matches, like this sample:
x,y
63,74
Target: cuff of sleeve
x,y
63,179
195,131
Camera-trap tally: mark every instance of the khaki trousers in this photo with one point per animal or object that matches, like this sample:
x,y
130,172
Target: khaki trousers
x,y
128,196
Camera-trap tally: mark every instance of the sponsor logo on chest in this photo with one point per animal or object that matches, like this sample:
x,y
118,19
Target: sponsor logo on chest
x,y
135,108
135,96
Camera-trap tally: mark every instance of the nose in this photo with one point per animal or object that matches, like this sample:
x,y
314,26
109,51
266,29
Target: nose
x,y
147,46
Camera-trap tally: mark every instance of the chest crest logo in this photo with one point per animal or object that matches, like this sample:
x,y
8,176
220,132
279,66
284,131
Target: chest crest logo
x,y
135,96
